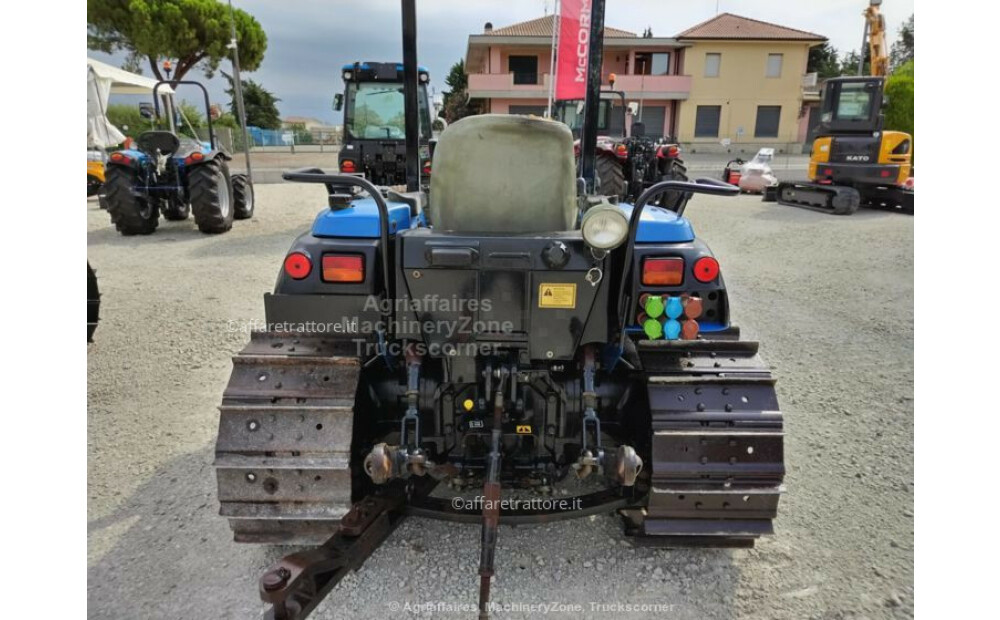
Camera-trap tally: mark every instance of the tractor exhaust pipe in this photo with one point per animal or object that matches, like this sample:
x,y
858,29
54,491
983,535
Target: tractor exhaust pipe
x,y
588,136
410,95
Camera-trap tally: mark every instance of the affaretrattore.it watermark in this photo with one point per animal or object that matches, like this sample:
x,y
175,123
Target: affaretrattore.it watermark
x,y
547,504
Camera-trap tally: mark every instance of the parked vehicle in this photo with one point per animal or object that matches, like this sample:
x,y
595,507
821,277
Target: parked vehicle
x,y
175,175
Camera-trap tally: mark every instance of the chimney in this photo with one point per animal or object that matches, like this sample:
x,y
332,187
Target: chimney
x,y
488,28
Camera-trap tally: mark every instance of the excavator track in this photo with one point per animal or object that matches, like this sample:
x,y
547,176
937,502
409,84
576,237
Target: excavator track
x,y
836,199
717,445
283,453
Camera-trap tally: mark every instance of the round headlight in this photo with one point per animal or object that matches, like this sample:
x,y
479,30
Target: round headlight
x,y
604,227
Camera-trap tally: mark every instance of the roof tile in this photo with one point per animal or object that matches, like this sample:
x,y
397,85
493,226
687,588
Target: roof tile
x,y
542,27
729,26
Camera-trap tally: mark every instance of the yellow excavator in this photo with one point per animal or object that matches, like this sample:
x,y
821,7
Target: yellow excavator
x,y
854,161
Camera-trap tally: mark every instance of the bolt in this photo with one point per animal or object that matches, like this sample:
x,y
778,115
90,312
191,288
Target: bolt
x,y
251,477
253,425
275,579
549,354
417,274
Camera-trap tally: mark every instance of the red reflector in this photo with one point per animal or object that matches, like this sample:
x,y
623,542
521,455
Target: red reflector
x,y
297,265
706,269
347,166
663,271
885,173
343,268
828,172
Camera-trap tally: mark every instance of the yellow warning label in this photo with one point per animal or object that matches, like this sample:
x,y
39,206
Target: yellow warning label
x,y
523,429
556,295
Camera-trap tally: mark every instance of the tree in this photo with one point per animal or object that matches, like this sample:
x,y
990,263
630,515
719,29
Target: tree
x,y
189,32
899,91
849,63
824,61
456,100
259,103
133,63
902,49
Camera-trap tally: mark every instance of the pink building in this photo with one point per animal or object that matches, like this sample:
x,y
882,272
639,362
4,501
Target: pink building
x,y
509,72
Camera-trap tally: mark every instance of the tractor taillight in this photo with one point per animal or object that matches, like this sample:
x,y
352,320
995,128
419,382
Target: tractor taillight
x,y
121,158
297,265
427,167
343,268
706,269
669,151
621,150
347,166
193,157
663,271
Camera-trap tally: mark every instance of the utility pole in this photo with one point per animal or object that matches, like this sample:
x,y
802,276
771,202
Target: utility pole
x,y
238,90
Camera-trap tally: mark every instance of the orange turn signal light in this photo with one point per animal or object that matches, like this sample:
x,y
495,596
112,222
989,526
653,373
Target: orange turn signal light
x,y
663,271
343,268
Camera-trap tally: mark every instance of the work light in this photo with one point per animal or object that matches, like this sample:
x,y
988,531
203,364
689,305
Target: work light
x,y
604,227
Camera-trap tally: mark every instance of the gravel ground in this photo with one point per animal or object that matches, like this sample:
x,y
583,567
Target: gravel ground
x,y
830,299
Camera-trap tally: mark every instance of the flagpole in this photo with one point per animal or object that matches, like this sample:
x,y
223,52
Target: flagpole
x,y
552,60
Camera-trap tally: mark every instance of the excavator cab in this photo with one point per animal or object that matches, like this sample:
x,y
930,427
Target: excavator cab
x,y
852,105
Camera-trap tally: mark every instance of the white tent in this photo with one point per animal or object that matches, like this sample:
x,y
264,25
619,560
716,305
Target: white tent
x,y
103,80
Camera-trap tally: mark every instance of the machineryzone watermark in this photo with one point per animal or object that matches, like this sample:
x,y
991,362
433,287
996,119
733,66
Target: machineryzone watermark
x,y
540,608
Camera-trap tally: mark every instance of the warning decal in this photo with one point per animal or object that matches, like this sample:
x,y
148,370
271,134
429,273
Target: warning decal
x,y
557,295
523,429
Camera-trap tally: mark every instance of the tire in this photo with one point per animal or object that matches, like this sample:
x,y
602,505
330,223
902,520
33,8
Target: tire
x,y
211,197
93,303
131,213
93,185
175,210
243,197
611,176
673,199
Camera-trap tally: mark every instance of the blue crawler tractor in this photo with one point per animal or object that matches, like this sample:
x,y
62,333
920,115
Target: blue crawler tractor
x,y
176,175
506,330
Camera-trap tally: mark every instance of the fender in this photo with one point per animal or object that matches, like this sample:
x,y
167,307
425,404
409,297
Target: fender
x,y
206,155
126,158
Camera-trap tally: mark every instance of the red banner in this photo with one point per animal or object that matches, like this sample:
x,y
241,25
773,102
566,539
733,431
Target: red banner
x,y
574,45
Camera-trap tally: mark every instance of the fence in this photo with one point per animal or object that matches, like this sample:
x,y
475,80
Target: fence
x,y
289,140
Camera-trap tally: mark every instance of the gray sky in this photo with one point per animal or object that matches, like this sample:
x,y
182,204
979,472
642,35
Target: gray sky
x,y
308,40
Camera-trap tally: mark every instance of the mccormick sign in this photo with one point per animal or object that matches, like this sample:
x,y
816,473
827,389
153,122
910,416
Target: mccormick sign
x,y
574,45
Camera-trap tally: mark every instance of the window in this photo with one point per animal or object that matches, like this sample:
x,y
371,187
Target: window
x,y
768,117
774,65
854,102
524,68
706,121
713,64
657,63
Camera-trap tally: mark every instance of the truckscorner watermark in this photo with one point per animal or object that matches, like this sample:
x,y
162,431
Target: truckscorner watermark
x,y
547,504
541,608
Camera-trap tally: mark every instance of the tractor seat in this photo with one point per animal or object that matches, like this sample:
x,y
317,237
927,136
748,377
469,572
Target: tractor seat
x,y
498,173
150,142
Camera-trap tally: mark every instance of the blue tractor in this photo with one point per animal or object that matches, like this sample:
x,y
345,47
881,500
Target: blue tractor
x,y
175,175
427,353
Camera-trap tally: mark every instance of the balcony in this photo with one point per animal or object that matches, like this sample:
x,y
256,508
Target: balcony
x,y
502,85
810,87
654,86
